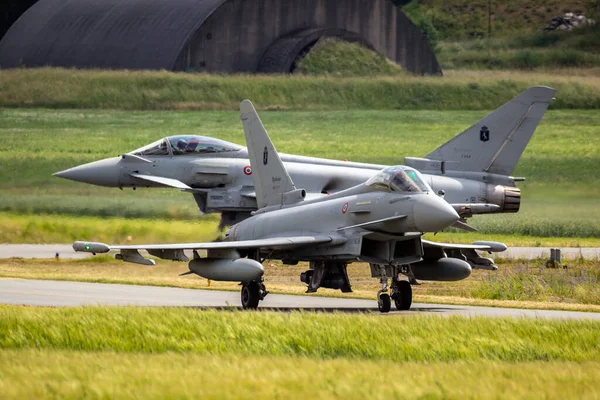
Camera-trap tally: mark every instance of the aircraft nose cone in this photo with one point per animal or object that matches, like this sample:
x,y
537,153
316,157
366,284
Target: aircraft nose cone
x,y
432,213
103,173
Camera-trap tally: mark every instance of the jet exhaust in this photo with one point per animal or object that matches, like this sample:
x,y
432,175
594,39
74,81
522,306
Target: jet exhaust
x,y
512,199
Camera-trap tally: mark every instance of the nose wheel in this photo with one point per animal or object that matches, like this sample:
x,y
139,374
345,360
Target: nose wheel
x,y
252,293
384,303
402,294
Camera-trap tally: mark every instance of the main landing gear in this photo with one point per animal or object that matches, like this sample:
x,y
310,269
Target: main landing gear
x,y
252,293
401,291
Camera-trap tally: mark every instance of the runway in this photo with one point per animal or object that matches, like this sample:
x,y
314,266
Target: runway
x,y
70,294
40,251
65,251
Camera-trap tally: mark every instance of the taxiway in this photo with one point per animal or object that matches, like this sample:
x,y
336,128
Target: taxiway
x,y
71,294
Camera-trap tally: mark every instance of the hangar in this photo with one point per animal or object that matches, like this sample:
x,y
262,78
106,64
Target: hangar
x,y
225,36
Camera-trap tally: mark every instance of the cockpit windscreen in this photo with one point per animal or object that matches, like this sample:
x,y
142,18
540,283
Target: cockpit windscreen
x,y
186,145
399,179
189,144
158,148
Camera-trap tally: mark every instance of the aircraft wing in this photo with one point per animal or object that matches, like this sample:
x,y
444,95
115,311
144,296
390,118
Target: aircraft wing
x,y
272,243
483,246
251,195
309,196
167,182
464,251
175,252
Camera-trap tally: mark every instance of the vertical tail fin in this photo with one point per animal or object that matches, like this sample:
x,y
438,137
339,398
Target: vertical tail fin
x,y
495,143
271,180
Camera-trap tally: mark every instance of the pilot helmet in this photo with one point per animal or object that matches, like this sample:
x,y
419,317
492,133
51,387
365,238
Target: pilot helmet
x,y
181,144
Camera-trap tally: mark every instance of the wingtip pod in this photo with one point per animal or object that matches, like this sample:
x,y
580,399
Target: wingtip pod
x,y
495,247
91,247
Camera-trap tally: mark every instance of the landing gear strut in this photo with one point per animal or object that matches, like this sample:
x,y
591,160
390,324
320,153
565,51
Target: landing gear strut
x,y
401,291
383,299
252,293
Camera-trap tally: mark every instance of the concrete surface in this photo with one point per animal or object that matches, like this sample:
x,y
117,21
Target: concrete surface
x,y
58,293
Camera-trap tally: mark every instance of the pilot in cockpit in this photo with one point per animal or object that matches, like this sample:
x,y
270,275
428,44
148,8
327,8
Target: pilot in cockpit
x,y
402,182
186,145
399,179
180,146
192,145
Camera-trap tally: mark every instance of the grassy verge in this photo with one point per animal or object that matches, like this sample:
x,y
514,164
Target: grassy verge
x,y
51,229
65,229
336,57
144,90
575,49
76,374
319,336
468,19
518,284
465,55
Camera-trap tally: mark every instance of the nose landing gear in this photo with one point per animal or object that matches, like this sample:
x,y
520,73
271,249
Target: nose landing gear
x,y
384,303
401,291
383,298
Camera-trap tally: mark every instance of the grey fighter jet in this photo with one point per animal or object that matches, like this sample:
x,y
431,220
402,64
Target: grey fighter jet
x,y
379,221
472,170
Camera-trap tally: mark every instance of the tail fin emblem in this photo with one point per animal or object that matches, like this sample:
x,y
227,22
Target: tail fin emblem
x,y
265,156
484,134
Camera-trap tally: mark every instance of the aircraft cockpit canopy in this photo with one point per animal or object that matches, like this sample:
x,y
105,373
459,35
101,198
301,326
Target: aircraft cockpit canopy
x,y
399,179
186,145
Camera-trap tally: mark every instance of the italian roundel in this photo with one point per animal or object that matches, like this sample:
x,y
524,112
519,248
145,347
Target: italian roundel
x,y
248,170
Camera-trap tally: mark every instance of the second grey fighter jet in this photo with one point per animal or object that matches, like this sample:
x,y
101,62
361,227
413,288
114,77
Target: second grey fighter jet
x,y
472,170
379,222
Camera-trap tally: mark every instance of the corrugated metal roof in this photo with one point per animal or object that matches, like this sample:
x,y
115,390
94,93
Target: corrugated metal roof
x,y
117,34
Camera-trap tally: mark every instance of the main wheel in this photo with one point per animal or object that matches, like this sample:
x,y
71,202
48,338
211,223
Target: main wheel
x,y
250,295
384,303
403,299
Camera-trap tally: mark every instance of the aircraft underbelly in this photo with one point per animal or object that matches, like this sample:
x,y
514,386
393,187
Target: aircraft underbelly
x,y
229,200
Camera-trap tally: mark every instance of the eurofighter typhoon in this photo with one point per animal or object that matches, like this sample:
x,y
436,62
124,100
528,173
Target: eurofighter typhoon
x,y
472,171
379,221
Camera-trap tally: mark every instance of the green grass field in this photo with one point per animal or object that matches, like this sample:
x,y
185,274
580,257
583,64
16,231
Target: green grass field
x,y
302,334
541,51
156,352
560,196
458,32
100,375
464,19
339,58
148,90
